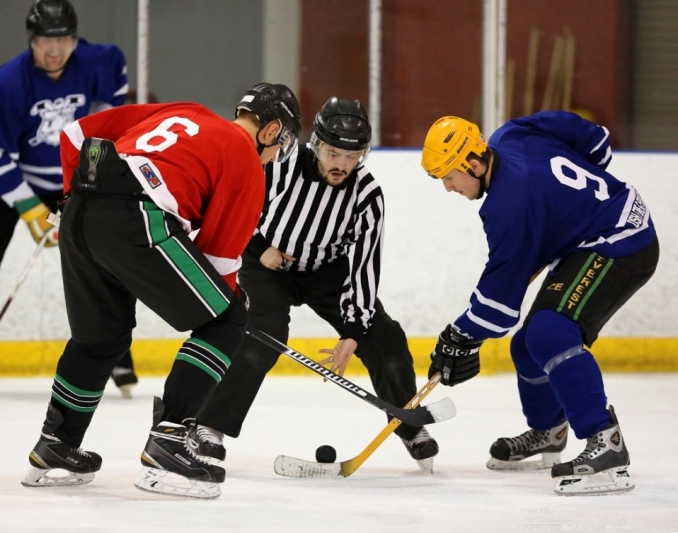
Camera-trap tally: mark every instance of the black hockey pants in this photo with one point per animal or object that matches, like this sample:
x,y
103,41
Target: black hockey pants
x,y
383,350
117,247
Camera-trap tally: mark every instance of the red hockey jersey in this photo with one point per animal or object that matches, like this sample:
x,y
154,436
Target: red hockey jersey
x,y
193,164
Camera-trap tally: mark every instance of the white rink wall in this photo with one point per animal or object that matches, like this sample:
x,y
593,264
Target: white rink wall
x,y
434,253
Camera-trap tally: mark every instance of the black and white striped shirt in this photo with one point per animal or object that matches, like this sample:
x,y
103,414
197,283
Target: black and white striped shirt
x,y
316,223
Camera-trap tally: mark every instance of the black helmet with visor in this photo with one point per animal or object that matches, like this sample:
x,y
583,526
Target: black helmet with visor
x,y
274,102
342,124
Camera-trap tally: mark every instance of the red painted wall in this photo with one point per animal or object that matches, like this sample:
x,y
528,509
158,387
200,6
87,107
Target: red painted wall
x,y
431,64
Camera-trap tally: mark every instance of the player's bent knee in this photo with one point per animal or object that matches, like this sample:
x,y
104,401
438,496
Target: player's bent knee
x,y
549,333
112,348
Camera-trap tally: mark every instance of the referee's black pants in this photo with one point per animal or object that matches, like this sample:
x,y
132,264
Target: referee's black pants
x,y
383,350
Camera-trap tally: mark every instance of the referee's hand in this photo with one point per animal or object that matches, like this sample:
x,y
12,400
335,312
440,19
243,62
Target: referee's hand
x,y
274,259
339,356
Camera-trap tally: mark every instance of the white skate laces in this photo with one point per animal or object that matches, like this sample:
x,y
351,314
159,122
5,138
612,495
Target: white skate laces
x,y
209,435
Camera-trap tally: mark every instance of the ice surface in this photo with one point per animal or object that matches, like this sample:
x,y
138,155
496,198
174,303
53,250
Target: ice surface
x,y
294,416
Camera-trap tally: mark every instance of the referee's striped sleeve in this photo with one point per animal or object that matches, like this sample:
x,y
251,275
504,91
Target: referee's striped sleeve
x,y
364,254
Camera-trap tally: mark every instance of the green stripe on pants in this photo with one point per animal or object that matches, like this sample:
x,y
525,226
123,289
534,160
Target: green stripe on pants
x,y
593,288
576,280
200,365
183,261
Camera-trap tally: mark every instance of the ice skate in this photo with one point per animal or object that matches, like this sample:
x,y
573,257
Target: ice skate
x,y
208,444
55,463
124,379
509,453
422,448
605,453
167,452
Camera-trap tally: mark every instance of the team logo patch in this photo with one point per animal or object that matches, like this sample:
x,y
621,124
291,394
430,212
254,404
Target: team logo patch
x,y
151,178
94,155
54,117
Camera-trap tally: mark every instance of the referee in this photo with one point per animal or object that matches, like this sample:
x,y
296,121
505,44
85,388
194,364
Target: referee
x,y
319,243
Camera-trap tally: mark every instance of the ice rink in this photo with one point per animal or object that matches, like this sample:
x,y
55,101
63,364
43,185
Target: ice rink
x,y
293,416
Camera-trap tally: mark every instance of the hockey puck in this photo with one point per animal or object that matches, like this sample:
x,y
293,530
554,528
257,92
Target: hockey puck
x,y
325,454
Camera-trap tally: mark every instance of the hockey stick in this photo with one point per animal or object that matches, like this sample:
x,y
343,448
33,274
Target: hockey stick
x,y
27,269
420,416
292,467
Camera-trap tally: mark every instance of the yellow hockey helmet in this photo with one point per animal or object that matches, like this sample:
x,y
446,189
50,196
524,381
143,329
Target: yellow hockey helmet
x,y
448,143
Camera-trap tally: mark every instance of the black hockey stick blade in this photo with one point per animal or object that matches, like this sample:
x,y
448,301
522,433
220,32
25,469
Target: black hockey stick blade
x,y
420,416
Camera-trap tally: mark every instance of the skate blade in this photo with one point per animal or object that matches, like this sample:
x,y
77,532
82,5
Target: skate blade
x,y
126,391
40,477
298,468
426,465
621,482
151,480
546,462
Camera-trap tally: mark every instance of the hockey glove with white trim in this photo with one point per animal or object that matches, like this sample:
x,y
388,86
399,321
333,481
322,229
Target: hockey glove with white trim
x,y
36,219
456,357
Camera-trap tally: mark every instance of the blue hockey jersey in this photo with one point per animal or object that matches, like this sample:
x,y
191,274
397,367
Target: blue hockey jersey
x,y
550,196
35,108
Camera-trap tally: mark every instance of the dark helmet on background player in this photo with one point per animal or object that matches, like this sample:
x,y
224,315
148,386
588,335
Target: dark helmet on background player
x,y
51,18
342,124
274,102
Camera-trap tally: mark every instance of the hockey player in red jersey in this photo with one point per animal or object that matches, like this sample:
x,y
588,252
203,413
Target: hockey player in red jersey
x,y
140,179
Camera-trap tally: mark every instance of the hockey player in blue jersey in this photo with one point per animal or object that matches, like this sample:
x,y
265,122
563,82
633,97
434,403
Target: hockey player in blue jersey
x,y
59,79
549,203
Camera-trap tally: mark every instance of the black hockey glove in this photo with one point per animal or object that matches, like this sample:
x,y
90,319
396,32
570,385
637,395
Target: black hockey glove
x,y
455,357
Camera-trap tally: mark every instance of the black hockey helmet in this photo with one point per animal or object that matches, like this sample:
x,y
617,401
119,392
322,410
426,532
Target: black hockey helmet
x,y
51,18
275,102
343,124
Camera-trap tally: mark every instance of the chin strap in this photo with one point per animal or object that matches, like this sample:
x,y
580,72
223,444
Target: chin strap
x,y
491,152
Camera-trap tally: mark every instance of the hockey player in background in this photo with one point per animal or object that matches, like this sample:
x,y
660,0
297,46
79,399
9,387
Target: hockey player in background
x,y
124,235
319,244
550,203
59,79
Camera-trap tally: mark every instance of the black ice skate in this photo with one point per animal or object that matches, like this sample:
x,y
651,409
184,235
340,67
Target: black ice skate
x,y
509,453
606,453
208,443
422,448
51,454
124,379
167,452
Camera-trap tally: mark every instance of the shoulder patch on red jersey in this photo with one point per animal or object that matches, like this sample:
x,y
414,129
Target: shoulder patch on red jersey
x,y
151,178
